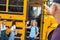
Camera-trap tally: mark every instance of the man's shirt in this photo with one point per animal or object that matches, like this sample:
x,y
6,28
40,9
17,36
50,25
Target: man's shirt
x,y
56,33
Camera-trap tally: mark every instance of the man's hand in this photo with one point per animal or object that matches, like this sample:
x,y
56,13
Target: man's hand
x,y
47,9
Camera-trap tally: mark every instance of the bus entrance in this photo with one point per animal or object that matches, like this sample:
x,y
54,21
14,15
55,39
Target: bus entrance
x,y
34,13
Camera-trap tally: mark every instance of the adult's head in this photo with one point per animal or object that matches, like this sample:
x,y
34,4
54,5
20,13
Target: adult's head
x,y
54,10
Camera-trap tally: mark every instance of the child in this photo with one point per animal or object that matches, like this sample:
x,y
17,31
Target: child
x,y
34,30
3,31
13,30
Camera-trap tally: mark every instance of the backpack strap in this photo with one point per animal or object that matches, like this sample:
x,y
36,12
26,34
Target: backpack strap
x,y
35,29
31,26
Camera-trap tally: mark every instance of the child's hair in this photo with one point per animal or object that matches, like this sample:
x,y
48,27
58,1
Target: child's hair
x,y
32,21
13,23
4,21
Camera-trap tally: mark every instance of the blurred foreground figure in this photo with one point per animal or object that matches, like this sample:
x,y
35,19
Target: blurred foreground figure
x,y
54,10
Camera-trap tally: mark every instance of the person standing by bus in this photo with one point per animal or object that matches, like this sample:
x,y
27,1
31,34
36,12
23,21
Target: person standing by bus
x,y
13,31
54,10
34,30
3,31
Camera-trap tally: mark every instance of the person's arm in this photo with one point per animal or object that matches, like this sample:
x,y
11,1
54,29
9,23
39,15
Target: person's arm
x,y
28,27
27,24
14,28
37,32
16,31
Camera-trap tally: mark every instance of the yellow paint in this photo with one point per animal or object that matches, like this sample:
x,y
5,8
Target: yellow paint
x,y
7,3
48,20
16,17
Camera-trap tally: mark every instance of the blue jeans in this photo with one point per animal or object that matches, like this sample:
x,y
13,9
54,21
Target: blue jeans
x,y
4,35
31,38
12,36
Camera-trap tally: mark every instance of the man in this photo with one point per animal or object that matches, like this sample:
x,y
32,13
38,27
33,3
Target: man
x,y
54,10
3,31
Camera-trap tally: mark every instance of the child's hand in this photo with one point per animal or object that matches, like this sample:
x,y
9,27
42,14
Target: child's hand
x,y
28,22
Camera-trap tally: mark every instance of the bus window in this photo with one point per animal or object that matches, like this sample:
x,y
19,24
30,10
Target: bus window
x,y
2,1
16,5
2,8
2,5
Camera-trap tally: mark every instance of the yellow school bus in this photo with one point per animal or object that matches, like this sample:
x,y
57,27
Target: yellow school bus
x,y
14,10
17,10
